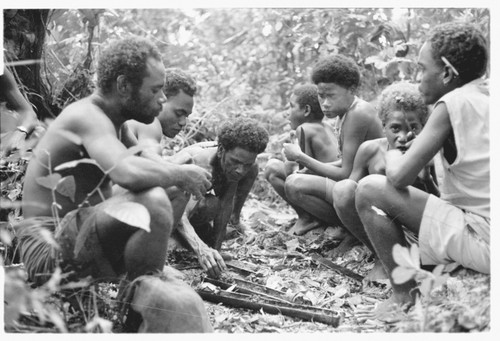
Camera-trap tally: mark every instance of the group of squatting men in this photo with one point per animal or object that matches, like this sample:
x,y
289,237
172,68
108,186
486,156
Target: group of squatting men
x,y
373,171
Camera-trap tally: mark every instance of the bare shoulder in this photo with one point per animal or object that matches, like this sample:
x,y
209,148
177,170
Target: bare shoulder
x,y
83,115
364,110
152,130
201,153
371,147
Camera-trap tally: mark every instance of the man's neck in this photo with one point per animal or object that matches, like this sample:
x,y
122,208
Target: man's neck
x,y
110,106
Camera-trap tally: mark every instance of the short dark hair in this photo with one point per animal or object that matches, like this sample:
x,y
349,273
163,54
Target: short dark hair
x,y
337,69
177,80
463,45
403,97
245,133
126,57
307,94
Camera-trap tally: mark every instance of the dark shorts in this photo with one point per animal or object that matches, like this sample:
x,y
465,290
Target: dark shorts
x,y
73,245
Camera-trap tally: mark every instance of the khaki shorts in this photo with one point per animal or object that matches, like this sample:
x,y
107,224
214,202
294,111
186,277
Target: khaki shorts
x,y
449,234
329,185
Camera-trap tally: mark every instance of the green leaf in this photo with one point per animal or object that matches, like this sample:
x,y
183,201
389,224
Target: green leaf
x,y
67,187
130,213
74,163
49,181
401,274
402,257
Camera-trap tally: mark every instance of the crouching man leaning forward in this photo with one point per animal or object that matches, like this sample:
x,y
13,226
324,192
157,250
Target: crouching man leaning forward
x,y
231,161
91,239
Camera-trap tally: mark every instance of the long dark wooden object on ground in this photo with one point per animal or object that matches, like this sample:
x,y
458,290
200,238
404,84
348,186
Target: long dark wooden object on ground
x,y
250,288
237,300
329,264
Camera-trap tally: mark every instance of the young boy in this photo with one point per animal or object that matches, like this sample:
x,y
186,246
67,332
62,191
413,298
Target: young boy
x,y
315,138
403,114
179,90
455,227
337,78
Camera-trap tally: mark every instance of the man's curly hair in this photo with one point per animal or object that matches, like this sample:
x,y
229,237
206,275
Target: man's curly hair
x,y
337,69
463,45
403,97
245,133
177,80
307,94
126,57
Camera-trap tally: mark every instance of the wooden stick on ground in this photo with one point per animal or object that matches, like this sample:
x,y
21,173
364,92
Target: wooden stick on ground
x,y
245,301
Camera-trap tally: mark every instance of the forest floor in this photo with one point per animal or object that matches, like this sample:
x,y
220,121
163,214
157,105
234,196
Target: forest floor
x,y
286,264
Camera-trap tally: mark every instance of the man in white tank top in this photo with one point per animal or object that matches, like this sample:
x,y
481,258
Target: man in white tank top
x,y
456,226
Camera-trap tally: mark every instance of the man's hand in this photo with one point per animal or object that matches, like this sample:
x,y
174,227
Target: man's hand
x,y
196,180
291,151
211,262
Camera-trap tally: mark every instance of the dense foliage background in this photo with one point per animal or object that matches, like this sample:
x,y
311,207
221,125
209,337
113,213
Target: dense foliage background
x,y
245,61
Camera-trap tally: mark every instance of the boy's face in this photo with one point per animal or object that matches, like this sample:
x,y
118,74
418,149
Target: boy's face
x,y
296,114
145,102
431,76
236,162
401,128
175,111
334,99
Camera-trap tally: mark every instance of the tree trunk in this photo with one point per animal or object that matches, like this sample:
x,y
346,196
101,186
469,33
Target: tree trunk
x,y
24,38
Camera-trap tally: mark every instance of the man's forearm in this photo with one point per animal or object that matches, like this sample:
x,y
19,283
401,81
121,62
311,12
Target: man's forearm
x,y
187,232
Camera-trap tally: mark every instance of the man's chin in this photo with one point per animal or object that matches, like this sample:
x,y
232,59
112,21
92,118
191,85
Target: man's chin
x,y
330,114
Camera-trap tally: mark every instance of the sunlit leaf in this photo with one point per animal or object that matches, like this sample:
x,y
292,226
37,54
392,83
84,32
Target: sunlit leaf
x,y
415,255
67,187
15,299
292,245
402,256
74,163
104,325
57,320
426,287
49,181
130,213
5,237
402,275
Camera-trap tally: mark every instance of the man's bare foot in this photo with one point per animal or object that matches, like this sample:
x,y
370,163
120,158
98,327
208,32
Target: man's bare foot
x,y
345,245
304,224
377,272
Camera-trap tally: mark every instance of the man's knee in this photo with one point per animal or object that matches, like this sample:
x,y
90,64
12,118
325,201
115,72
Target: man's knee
x,y
157,203
272,169
294,187
369,190
344,193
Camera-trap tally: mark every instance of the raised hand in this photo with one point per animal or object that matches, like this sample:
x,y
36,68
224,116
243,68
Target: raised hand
x,y
195,180
291,151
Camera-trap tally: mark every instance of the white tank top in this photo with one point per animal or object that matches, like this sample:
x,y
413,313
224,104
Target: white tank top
x,y
466,182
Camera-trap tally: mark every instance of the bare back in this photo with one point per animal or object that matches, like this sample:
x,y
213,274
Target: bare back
x,y
60,145
319,141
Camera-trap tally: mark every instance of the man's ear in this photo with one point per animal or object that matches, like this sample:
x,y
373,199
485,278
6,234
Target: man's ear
x,y
123,86
220,151
307,110
447,75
